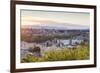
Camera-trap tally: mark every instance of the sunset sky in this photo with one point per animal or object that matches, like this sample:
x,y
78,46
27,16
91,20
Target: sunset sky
x,y
31,17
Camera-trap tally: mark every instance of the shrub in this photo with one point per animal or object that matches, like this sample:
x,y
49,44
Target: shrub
x,y
78,53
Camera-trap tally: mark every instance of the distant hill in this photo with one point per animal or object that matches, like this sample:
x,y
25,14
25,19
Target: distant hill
x,y
55,25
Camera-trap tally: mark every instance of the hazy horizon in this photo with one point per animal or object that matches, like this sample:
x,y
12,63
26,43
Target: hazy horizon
x,y
55,19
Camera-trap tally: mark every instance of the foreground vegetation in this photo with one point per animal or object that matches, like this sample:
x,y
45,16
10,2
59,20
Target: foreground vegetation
x,y
80,52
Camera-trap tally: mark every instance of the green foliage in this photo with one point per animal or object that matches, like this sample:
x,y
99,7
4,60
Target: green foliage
x,y
29,58
80,52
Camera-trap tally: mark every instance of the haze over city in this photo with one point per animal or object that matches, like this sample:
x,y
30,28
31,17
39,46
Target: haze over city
x,y
55,19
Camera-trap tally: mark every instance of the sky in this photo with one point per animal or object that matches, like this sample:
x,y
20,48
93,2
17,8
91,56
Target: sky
x,y
33,17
